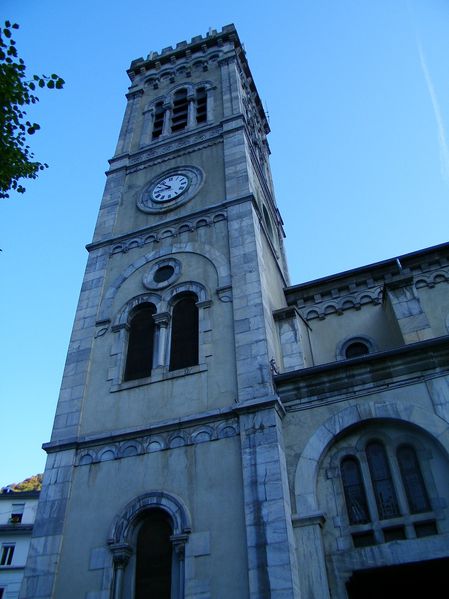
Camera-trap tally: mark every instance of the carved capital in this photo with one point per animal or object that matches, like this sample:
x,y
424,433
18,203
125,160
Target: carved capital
x,y
179,544
121,552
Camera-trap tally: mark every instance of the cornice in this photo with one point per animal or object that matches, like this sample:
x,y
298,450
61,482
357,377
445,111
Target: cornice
x,y
345,379
152,232
162,151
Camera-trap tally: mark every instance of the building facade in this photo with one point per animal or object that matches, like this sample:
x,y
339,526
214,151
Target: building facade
x,y
17,515
220,433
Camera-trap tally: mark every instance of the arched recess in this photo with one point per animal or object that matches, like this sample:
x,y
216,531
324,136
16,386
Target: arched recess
x,y
309,462
217,259
123,537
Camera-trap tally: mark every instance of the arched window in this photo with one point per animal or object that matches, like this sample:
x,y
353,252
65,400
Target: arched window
x,y
179,110
184,332
154,557
139,358
412,480
158,122
385,494
358,348
201,105
354,490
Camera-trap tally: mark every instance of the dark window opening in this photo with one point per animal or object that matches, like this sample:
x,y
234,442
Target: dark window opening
x,y
184,335
201,105
7,553
394,533
154,557
412,479
158,123
2,590
179,111
363,539
425,529
387,503
139,358
163,273
354,490
356,349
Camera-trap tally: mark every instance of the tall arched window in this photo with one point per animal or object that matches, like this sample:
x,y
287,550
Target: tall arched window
x,y
386,500
184,332
354,490
179,110
154,557
139,358
412,479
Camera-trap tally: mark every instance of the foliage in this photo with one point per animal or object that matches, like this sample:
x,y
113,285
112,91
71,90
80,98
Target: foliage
x,y
17,91
33,483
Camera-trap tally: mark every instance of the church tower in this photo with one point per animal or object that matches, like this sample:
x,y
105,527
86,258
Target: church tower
x,y
166,472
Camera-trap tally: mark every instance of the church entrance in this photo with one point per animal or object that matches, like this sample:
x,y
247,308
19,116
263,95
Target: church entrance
x,y
419,579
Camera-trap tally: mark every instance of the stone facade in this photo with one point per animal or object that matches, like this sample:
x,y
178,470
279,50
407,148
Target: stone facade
x,y
244,449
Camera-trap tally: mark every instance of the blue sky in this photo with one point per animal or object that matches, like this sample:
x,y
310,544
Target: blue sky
x,y
358,99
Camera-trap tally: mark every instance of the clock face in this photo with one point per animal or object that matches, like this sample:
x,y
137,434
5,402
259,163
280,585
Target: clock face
x,y
170,188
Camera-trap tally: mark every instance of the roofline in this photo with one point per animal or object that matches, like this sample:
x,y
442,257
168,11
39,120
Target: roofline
x,y
361,269
20,494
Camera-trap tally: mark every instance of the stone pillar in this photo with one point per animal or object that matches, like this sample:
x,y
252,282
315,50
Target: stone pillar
x,y
162,321
289,336
407,309
147,127
167,118
191,112
127,130
179,550
121,552
311,557
272,568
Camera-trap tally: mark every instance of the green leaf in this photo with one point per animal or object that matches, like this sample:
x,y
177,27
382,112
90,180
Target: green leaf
x,y
50,84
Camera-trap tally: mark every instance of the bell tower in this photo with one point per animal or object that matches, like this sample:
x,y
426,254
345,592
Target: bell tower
x,y
166,470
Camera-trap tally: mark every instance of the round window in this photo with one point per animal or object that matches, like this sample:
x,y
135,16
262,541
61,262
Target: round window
x,y
163,273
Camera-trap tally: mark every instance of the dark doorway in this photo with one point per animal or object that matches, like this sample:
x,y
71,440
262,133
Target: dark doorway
x,y
418,579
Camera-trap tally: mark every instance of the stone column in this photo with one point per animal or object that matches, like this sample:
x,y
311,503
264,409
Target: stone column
x,y
162,321
191,112
167,118
179,550
121,552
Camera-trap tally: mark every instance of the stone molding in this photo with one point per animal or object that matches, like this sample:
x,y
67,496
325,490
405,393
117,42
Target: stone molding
x,y
158,441
335,382
162,232
174,506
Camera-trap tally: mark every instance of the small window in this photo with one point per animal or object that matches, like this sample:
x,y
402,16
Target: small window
x,y
201,105
184,333
154,557
354,490
179,111
7,553
387,503
2,590
356,349
163,273
139,359
17,513
158,122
